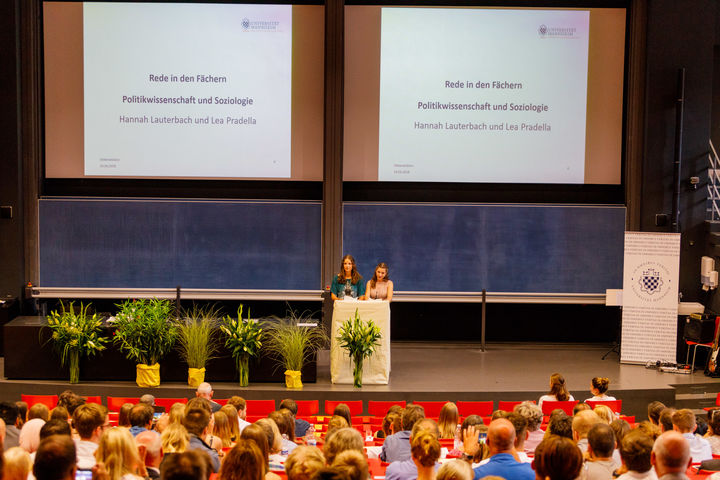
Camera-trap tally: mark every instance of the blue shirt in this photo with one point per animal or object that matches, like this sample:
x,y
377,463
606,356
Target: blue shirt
x,y
403,470
504,465
137,430
396,447
338,288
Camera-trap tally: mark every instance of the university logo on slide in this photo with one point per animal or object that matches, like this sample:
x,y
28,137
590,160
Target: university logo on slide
x,y
650,281
542,30
246,23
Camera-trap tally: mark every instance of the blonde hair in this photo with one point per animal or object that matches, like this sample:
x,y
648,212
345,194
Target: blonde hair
x,y
222,428
174,438
177,413
232,416
268,423
16,464
336,422
341,440
448,420
117,450
455,470
605,413
425,449
303,462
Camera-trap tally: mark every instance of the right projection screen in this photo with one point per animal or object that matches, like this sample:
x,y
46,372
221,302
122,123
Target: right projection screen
x,y
484,95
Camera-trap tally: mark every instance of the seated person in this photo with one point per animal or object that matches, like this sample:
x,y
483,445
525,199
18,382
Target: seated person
x,y
635,450
684,423
600,464
558,392
397,446
599,387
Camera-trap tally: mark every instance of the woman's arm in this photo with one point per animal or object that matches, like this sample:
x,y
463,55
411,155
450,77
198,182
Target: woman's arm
x,y
367,289
390,291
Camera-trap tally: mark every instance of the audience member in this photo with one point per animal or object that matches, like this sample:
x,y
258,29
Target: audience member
x,y
342,440
17,464
521,433
581,425
196,422
243,462
30,434
684,423
501,441
579,407
55,458
425,450
407,469
713,434
301,426
344,411
635,450
260,436
455,470
665,420
147,399
59,413
118,452
558,391
55,426
557,458
601,445
124,415
397,446
534,417
605,413
475,421
9,414
22,408
223,429
599,387
671,456
448,420
654,411
70,401
702,426
392,423
204,390
241,407
39,410
286,425
330,473
149,446
353,464
141,417
303,462
559,424
174,439
90,421
177,413
274,439
192,465
336,422
621,427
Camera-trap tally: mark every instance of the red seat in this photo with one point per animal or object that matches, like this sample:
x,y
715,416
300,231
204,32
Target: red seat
x,y
49,400
307,408
509,406
695,346
259,407
93,399
475,408
567,406
615,405
355,406
432,409
167,403
379,408
717,404
114,403
221,401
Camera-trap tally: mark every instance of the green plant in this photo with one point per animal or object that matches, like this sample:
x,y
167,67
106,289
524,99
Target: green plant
x,y
360,339
144,329
290,343
197,335
243,338
74,335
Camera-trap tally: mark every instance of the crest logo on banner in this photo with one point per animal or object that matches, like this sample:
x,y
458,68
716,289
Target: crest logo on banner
x,y
649,281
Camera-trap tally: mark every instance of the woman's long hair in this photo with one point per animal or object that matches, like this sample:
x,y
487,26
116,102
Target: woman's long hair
x,y
373,281
557,387
448,420
118,452
243,462
356,277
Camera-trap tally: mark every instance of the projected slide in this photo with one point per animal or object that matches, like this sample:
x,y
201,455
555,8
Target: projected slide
x,y
481,95
187,89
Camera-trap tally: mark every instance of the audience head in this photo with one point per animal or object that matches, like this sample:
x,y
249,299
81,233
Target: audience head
x,y
174,438
649,429
701,426
222,428
620,428
670,453
59,413
271,433
239,404
557,458
204,390
336,422
520,425
455,470
39,410
290,404
149,446
665,420
147,399
285,422
605,413
560,424
177,413
344,411
141,415
583,422
303,462
579,407
425,449
558,388
124,415
30,434
55,458
599,385
190,465
532,413
683,421
714,421
55,426
70,400
497,414
341,440
330,473
448,420
601,441
259,435
635,450
196,421
353,464
232,417
501,436
16,464
198,402
654,410
392,423
244,462
412,414
22,408
89,420
117,450
9,413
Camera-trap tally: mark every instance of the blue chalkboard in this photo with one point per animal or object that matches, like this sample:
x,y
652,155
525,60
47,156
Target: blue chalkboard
x,y
125,243
502,248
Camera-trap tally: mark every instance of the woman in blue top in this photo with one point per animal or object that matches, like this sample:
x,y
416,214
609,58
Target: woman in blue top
x,y
348,282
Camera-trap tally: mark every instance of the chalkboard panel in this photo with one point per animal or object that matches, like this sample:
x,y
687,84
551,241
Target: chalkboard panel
x,y
502,248
195,244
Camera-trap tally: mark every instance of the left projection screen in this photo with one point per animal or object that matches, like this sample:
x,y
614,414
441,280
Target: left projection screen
x,y
181,90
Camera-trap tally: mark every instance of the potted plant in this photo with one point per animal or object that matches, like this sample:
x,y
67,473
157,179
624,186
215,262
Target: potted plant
x,y
243,338
146,333
197,340
360,339
74,335
291,342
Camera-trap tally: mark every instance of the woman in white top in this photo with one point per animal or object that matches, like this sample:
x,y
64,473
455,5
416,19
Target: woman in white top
x,y
599,387
380,287
558,391
117,450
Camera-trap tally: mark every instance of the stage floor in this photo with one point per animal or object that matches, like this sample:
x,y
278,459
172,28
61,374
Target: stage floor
x,y
435,371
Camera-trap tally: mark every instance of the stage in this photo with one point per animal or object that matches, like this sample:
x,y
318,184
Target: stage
x,y
449,372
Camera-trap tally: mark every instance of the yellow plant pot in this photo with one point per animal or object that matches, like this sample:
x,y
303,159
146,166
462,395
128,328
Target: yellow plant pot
x,y
292,379
148,375
196,376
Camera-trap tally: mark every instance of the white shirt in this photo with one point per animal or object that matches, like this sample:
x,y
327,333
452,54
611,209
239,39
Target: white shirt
x,y
551,398
85,454
601,398
242,424
699,447
632,475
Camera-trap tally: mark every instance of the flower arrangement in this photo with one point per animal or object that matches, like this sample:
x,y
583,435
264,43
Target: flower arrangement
x,y
243,338
75,334
197,340
360,339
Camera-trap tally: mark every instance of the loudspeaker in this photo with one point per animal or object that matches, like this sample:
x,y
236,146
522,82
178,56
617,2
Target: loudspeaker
x,y
699,328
